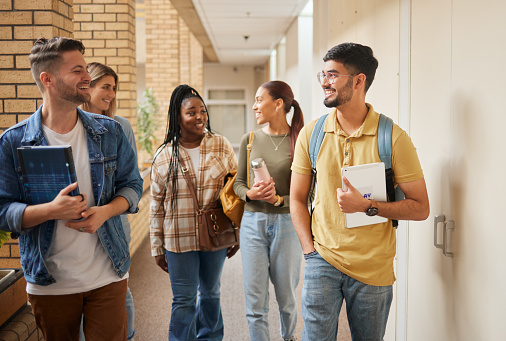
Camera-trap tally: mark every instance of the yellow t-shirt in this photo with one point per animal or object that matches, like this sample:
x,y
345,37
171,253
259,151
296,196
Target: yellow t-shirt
x,y
364,253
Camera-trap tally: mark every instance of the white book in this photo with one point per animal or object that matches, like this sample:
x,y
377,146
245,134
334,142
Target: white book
x,y
369,180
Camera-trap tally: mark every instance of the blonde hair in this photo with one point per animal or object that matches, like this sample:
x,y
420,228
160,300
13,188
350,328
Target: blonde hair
x,y
97,71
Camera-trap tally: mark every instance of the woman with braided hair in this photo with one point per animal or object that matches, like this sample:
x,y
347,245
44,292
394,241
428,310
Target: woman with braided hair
x,y
208,158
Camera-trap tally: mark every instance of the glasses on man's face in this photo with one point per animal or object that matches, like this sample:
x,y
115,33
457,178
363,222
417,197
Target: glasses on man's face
x,y
330,77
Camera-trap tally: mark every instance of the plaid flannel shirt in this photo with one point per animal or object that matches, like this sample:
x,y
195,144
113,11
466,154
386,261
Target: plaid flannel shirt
x,y
177,231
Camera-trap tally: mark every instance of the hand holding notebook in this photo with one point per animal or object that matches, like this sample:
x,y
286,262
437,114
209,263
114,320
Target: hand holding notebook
x,y
369,180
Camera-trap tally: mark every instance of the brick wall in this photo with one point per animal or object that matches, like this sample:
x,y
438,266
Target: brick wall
x,y
184,54
107,29
21,22
9,255
173,55
197,65
162,54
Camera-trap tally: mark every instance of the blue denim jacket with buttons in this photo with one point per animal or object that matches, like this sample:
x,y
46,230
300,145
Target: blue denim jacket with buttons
x,y
113,173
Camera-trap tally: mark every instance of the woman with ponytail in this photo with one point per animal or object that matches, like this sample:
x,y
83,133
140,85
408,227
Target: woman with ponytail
x,y
270,248
195,276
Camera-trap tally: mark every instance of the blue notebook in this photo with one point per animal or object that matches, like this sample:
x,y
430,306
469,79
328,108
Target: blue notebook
x,y
46,170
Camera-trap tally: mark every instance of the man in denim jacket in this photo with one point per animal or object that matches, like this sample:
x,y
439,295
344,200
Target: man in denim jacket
x,y
74,252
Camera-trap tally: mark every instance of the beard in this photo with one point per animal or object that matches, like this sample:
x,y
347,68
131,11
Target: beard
x,y
71,94
344,95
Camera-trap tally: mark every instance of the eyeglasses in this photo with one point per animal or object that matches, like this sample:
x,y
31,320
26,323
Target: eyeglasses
x,y
330,77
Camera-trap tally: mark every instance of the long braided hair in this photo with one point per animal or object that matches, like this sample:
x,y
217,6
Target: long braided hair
x,y
173,134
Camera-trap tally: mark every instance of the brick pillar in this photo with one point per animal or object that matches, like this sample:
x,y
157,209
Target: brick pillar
x,y
197,65
21,23
184,54
162,49
173,55
107,30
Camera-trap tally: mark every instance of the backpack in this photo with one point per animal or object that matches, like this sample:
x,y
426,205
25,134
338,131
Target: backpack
x,y
385,125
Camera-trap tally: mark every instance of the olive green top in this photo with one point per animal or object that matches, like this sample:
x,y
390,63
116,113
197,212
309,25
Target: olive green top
x,y
278,163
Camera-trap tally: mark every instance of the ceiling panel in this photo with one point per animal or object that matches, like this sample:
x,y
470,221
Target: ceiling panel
x,y
264,22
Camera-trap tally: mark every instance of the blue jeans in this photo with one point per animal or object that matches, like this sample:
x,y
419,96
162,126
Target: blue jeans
x,y
323,292
130,314
193,271
271,249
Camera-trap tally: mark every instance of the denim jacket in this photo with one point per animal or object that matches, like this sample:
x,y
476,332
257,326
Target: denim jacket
x,y
112,174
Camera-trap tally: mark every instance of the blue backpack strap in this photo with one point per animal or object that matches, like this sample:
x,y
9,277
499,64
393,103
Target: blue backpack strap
x,y
316,139
385,140
385,125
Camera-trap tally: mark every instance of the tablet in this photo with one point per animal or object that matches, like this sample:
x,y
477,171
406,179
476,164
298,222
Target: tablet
x,y
369,180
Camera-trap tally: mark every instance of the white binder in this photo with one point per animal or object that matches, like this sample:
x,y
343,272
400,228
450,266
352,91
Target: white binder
x,y
369,180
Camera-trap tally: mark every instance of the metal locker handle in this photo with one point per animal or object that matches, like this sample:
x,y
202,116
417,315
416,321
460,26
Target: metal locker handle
x,y
449,225
440,218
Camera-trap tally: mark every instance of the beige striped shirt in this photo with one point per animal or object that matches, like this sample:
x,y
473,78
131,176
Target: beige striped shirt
x,y
177,231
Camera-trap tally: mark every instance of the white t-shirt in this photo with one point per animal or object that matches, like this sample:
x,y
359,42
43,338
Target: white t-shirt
x,y
77,260
194,154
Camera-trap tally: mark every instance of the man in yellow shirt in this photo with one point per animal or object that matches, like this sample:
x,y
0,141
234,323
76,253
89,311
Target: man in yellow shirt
x,y
354,264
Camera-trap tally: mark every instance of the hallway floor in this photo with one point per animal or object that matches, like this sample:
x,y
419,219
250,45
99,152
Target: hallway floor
x,y
152,294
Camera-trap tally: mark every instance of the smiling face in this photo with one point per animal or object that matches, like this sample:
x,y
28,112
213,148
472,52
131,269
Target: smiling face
x,y
264,106
193,119
72,81
341,91
102,94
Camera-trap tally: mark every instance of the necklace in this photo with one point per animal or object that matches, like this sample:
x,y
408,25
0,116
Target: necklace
x,y
279,144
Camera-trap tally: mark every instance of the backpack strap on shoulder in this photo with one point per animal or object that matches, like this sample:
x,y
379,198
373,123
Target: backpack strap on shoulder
x,y
385,140
385,125
315,141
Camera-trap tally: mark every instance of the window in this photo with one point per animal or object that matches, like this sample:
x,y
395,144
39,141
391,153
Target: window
x,y
227,113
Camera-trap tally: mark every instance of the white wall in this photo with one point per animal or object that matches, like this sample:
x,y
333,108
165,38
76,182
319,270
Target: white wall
x,y
291,74
322,20
294,55
307,78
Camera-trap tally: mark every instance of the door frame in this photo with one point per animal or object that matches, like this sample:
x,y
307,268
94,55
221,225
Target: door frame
x,y
404,123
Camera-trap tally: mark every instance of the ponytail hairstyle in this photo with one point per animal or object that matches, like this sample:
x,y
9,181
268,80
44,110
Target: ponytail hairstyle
x,y
279,89
173,134
97,71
